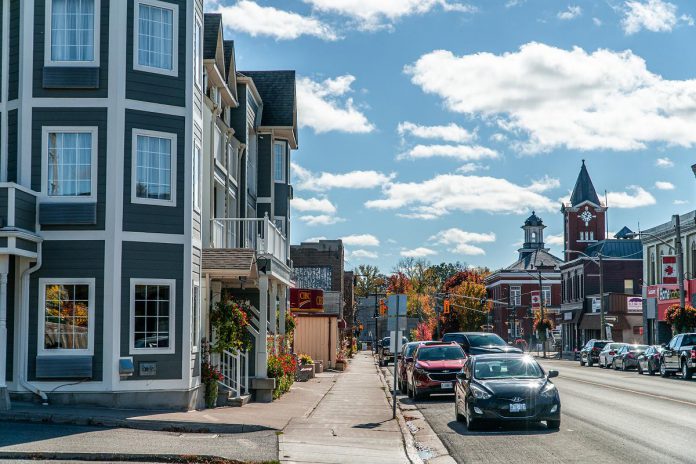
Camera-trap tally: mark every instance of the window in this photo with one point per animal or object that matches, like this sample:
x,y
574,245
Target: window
x,y
251,164
195,316
516,296
66,316
547,295
279,166
591,236
197,53
152,316
196,174
155,41
628,286
68,165
154,168
72,31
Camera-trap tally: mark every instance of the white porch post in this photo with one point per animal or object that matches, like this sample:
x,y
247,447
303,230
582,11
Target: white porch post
x,y
4,395
283,307
216,290
272,308
261,350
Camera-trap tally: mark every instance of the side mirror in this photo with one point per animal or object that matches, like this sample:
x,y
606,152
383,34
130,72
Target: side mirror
x,y
552,374
461,376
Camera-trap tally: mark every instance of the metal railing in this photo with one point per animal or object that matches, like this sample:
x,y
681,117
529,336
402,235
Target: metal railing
x,y
258,234
235,372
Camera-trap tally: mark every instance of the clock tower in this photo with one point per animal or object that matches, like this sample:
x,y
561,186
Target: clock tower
x,y
584,217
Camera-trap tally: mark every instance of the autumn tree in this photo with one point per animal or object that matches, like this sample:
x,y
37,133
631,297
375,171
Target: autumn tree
x,y
369,281
468,312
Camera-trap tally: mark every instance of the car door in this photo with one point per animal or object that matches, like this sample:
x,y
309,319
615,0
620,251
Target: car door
x,y
621,356
670,355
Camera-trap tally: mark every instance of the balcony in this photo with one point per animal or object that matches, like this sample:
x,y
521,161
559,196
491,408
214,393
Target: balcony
x,y
18,220
260,235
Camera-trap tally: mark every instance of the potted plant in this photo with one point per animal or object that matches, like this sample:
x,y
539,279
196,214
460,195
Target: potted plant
x,y
341,361
210,376
230,320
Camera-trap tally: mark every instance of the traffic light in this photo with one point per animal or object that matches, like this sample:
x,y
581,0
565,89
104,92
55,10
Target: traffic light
x,y
446,306
382,307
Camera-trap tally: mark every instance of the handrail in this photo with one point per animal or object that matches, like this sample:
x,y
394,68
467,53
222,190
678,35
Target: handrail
x,y
265,238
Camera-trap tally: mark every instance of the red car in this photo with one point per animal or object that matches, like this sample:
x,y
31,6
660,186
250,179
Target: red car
x,y
434,369
404,359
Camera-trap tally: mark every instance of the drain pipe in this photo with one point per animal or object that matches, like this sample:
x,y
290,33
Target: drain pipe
x,y
23,328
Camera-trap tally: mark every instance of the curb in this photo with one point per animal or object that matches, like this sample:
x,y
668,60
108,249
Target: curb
x,y
416,432
116,457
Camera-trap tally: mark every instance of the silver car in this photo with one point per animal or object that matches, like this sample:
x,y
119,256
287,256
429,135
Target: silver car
x,y
606,356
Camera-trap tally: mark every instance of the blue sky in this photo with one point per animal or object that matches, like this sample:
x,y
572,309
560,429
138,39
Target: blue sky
x,y
432,128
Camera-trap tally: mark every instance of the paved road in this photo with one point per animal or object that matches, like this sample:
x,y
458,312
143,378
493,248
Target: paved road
x,y
71,440
603,415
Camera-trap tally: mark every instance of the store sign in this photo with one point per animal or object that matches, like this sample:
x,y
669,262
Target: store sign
x,y
668,294
596,305
568,316
634,305
536,299
306,300
669,270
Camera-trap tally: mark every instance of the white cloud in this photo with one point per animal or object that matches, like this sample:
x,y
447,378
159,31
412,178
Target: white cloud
x,y
513,3
681,202
664,163
307,180
635,197
547,97
459,152
446,193
321,205
597,22
471,167
324,107
360,240
554,239
449,133
544,184
315,239
374,14
321,220
571,12
249,17
461,241
662,185
362,254
651,15
420,252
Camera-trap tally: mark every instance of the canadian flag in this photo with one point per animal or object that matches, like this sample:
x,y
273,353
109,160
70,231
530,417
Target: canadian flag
x,y
536,299
669,270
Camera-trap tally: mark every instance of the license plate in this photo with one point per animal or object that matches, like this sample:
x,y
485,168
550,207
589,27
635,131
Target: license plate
x,y
518,407
446,385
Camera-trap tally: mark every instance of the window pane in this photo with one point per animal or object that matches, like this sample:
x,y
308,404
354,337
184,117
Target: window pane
x,y
153,168
66,316
155,38
72,30
152,316
69,164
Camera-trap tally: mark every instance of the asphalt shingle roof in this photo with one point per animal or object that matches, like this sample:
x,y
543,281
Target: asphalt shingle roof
x,y
530,261
212,22
229,54
584,189
229,259
277,90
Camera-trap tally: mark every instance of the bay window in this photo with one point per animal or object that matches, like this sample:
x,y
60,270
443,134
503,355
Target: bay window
x,y
69,163
155,37
154,168
72,32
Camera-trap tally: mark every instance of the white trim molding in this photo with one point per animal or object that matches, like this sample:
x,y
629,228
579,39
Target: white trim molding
x,y
134,167
171,349
174,71
41,350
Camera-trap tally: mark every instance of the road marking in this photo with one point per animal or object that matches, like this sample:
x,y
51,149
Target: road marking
x,y
661,397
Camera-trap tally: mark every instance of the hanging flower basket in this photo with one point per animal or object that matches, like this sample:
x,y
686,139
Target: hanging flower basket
x,y
681,320
230,320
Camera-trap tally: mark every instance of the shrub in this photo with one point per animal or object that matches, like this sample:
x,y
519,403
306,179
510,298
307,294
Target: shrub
x,y
681,319
282,367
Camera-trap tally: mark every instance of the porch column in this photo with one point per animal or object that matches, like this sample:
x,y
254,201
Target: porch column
x,y
4,395
273,308
215,297
283,307
261,349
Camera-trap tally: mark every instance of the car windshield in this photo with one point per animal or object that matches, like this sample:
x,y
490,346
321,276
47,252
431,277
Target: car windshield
x,y
614,346
689,340
409,350
600,344
507,368
440,353
486,340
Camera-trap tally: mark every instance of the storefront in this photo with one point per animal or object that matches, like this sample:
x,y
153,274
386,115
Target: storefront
x,y
658,298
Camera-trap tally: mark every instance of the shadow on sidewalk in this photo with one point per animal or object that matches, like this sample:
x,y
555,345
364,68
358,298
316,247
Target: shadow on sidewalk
x,y
501,429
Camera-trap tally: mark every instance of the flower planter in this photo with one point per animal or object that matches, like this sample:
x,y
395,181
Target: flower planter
x,y
318,367
211,394
341,365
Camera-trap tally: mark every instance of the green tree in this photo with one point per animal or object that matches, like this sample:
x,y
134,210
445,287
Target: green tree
x,y
369,280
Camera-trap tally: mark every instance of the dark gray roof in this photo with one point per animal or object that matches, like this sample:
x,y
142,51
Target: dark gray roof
x,y
229,55
533,220
530,261
277,90
617,248
623,233
212,23
584,190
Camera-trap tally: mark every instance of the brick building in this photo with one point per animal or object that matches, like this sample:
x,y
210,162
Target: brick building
x,y
320,265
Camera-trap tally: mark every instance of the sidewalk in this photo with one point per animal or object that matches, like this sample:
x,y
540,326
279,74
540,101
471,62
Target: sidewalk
x,y
353,423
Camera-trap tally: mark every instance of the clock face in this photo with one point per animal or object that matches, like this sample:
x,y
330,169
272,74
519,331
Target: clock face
x,y
586,216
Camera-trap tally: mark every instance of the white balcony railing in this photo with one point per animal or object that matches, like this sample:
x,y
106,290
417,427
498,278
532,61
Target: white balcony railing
x,y
258,234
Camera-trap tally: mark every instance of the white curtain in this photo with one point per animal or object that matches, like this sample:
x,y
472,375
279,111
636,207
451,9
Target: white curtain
x,y
72,30
69,164
154,165
155,37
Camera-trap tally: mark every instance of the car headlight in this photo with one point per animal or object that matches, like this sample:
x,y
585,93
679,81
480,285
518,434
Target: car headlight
x,y
549,390
479,393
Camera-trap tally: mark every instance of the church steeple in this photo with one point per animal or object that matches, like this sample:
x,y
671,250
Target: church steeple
x,y
533,235
584,189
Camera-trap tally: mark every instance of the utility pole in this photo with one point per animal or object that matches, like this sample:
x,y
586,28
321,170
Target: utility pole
x,y
602,322
397,342
541,320
680,261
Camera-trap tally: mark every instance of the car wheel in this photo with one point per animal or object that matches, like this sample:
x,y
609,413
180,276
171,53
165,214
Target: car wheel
x,y
409,390
640,369
651,371
458,416
686,372
623,366
418,395
614,365
589,362
663,370
582,363
553,424
472,424
402,387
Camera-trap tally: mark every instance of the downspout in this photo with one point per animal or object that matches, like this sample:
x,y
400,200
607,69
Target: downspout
x,y
24,328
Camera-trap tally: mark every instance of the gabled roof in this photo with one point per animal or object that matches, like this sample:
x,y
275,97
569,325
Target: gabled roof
x,y
530,261
616,248
277,89
229,59
584,190
212,23
623,233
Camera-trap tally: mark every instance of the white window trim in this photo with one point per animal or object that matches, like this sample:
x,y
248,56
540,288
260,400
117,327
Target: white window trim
x,y
198,52
197,183
172,319
134,168
284,177
45,197
175,37
42,351
194,341
97,39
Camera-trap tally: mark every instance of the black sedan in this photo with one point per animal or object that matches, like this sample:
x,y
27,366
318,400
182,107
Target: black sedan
x,y
506,388
627,357
650,360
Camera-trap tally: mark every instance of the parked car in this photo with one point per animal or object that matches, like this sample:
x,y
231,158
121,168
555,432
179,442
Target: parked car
x,y
649,361
606,356
504,388
434,369
405,358
627,357
679,355
589,354
385,354
480,342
